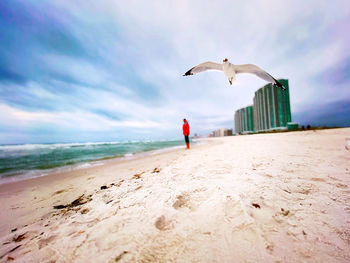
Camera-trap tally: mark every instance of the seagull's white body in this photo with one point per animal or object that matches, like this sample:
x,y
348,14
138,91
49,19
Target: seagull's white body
x,y
230,70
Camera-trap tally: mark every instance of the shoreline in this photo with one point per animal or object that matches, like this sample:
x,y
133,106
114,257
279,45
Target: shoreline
x,y
85,165
70,173
270,197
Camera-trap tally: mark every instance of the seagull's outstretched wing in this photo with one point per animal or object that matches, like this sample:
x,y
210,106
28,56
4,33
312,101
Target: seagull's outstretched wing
x,y
250,68
204,67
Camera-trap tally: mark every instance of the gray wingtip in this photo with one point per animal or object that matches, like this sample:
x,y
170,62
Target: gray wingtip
x,y
278,84
188,73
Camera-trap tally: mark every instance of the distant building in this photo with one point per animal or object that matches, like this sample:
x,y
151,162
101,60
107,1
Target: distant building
x,y
292,126
244,120
228,132
221,132
270,111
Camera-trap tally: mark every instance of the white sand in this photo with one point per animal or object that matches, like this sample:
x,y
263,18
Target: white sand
x,y
198,207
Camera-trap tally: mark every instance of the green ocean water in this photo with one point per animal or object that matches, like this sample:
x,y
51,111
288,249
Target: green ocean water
x,y
32,160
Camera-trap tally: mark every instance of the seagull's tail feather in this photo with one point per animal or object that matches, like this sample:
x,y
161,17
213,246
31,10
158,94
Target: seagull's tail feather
x,y
188,73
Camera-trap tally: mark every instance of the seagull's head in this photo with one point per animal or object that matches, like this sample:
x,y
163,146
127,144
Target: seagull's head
x,y
225,60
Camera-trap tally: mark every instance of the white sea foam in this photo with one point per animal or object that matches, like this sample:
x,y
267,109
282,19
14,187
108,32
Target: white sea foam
x,y
28,147
20,162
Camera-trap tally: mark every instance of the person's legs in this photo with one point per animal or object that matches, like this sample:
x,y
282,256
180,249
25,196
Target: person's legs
x,y
187,142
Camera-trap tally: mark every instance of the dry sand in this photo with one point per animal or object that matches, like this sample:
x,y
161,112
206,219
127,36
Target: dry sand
x,y
262,198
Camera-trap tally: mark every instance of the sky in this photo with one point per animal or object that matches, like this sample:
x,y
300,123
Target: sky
x,y
86,70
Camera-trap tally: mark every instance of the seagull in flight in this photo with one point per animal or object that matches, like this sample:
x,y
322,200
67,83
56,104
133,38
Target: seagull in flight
x,y
231,70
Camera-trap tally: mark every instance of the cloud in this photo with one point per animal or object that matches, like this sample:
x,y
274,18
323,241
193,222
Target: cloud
x,y
335,113
107,70
76,120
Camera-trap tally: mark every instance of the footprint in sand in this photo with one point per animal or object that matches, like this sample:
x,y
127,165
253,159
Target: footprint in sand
x,y
162,223
182,201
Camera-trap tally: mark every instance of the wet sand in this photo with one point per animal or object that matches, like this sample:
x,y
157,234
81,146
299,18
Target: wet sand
x,y
262,198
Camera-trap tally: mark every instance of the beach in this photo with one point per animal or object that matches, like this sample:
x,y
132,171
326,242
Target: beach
x,y
279,197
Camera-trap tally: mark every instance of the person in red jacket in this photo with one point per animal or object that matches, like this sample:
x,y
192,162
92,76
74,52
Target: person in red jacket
x,y
186,132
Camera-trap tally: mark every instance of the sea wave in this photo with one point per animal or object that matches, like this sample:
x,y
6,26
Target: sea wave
x,y
28,147
32,160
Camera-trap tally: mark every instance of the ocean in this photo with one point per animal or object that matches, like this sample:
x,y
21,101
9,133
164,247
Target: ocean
x,y
18,162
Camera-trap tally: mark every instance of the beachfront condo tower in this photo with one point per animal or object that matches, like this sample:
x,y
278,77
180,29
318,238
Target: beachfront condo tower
x,y
244,120
272,107
270,110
